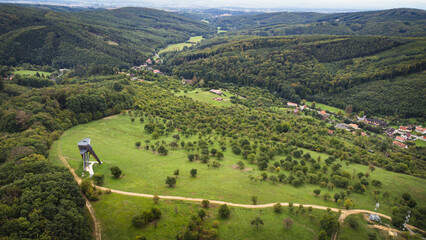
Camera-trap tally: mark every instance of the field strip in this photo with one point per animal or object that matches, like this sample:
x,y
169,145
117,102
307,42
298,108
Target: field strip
x,y
343,215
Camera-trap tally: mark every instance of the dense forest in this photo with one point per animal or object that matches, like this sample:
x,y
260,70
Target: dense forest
x,y
121,37
39,200
393,22
312,68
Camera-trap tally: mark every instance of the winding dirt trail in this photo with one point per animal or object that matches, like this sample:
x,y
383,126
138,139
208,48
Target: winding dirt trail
x,y
97,226
97,229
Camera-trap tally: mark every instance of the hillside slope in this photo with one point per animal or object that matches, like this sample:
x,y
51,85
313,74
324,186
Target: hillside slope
x,y
312,68
119,37
393,22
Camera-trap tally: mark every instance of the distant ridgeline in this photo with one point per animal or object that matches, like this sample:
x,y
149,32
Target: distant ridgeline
x,y
393,22
121,37
317,68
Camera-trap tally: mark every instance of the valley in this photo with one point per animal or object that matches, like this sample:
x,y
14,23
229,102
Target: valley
x,y
212,124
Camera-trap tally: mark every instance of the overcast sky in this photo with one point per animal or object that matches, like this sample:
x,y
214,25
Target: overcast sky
x,y
303,4
345,4
336,3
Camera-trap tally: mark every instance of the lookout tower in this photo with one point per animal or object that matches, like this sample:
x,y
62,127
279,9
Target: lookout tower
x,y
86,150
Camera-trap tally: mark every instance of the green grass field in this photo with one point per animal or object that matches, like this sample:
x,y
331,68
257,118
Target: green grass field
x,y
196,39
237,226
146,172
179,46
361,232
209,97
420,143
219,31
30,72
325,107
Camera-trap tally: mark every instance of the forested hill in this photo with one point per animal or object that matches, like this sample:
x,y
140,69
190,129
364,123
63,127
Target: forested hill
x,y
315,68
393,22
119,37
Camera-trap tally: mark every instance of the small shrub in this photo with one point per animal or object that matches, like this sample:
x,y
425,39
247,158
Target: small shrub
x,y
353,223
138,221
278,208
171,181
89,190
116,171
205,203
254,199
156,198
224,211
98,178
215,224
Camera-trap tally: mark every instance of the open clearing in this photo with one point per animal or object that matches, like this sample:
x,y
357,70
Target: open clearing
x,y
219,30
179,46
236,227
31,73
209,97
325,107
145,172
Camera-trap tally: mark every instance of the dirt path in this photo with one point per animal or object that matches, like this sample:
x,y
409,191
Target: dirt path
x,y
97,226
344,213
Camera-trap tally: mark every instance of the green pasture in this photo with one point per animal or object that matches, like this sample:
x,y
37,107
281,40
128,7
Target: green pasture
x,y
196,39
209,97
179,46
115,212
325,107
420,143
31,73
114,140
219,31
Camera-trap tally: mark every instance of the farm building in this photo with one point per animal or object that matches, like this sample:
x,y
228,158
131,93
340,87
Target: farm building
x,y
216,91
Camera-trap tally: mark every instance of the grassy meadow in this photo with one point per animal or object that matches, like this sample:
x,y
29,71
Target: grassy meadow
x,y
31,73
179,46
145,172
325,107
176,215
219,30
209,97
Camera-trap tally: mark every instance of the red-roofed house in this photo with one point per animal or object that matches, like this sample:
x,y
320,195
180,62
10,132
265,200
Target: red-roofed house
x,y
290,104
149,61
364,134
157,71
323,112
401,139
421,130
404,129
330,132
401,145
354,126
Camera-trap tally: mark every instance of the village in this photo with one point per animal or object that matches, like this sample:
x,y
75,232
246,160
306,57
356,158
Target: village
x,y
401,136
146,66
